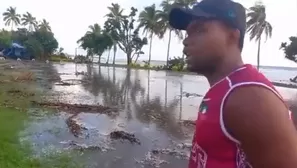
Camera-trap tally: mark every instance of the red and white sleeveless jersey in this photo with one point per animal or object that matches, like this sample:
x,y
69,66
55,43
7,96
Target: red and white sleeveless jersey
x,y
213,146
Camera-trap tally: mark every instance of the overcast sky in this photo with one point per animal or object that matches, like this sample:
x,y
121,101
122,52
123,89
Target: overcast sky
x,y
70,20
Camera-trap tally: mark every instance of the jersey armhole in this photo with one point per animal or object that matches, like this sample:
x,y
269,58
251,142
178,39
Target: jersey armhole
x,y
222,125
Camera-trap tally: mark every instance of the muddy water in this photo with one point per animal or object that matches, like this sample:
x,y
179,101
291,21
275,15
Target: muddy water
x,y
150,104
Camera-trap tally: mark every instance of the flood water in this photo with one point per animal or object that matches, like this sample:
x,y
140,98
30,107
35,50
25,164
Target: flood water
x,y
150,104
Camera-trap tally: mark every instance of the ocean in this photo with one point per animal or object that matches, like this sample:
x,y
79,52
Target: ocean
x,y
274,73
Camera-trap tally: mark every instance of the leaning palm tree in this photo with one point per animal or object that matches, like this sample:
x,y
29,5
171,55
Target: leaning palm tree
x,y
29,20
44,25
257,25
149,20
11,18
115,18
166,6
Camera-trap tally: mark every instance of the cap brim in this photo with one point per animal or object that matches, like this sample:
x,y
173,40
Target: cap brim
x,y
180,18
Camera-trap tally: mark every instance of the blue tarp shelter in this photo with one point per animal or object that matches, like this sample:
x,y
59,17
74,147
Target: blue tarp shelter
x,y
15,51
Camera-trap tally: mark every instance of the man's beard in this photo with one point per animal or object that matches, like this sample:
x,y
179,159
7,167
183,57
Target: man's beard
x,y
204,69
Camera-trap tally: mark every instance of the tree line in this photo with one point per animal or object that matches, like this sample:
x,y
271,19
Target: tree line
x,y
36,37
126,31
122,30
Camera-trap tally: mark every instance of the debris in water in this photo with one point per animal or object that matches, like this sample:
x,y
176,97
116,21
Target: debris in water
x,y
186,94
173,152
61,83
80,73
188,122
69,82
75,126
77,107
124,136
152,160
84,147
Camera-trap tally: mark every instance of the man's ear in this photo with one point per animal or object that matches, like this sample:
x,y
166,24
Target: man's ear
x,y
234,35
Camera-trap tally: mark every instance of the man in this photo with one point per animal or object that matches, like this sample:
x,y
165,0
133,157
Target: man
x,y
243,121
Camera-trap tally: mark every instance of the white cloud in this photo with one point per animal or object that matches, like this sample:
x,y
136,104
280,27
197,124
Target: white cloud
x,y
70,20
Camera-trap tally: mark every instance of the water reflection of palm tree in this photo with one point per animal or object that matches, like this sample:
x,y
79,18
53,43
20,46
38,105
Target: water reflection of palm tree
x,y
128,94
114,93
148,85
154,112
166,83
181,101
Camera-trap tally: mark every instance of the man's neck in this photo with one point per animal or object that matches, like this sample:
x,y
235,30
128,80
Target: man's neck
x,y
224,70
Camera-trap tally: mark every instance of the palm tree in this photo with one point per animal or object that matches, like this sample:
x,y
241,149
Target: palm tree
x,y
115,17
95,41
29,20
44,25
185,4
11,18
257,24
149,20
166,6
95,29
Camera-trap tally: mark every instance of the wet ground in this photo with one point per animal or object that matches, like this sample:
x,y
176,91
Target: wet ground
x,y
116,117
144,124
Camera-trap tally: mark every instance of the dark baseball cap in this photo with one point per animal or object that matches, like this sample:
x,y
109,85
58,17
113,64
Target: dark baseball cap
x,y
229,12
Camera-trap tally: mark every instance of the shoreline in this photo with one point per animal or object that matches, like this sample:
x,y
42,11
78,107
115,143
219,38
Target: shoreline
x,y
275,83
285,85
20,85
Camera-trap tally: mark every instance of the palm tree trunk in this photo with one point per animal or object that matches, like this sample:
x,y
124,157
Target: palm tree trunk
x,y
258,56
148,85
183,56
107,61
168,48
181,101
114,53
129,59
166,93
150,50
136,58
11,26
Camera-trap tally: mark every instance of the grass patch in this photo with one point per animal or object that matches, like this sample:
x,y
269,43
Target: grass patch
x,y
16,93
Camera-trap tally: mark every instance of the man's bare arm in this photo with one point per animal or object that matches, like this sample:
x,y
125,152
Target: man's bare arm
x,y
260,121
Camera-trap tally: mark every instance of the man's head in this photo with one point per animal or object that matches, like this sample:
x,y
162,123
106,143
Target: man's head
x,y
214,29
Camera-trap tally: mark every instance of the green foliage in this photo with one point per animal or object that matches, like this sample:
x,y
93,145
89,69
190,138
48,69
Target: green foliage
x,y
38,38
47,41
118,31
256,23
15,99
39,43
96,41
135,65
11,17
30,21
81,59
290,49
5,39
60,57
34,47
176,64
